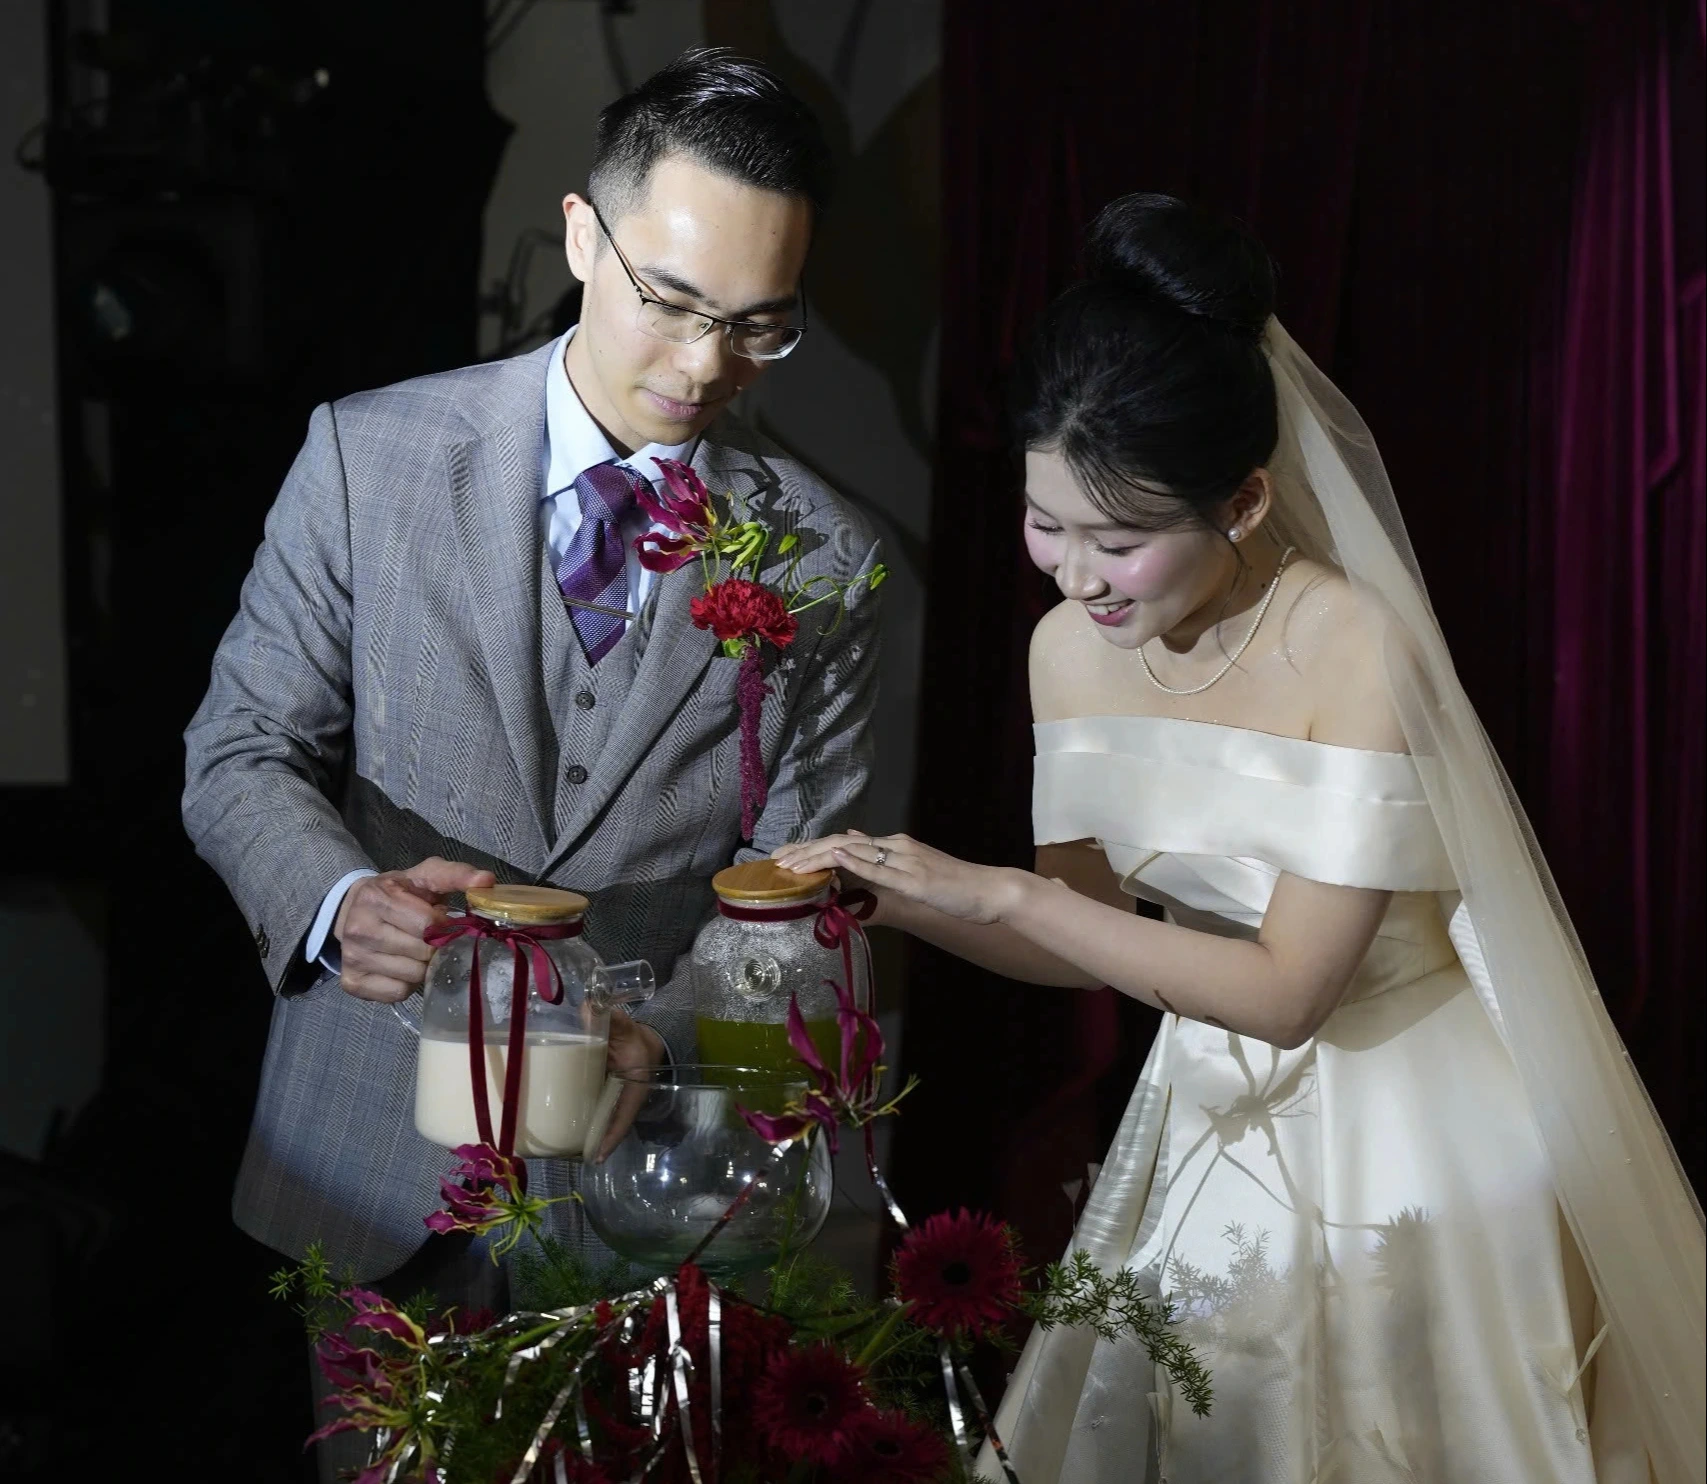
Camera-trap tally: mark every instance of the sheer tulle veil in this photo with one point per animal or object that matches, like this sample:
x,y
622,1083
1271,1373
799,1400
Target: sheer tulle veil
x,y
1622,1192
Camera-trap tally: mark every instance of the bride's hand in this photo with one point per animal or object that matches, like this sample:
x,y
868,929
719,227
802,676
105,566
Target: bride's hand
x,y
900,866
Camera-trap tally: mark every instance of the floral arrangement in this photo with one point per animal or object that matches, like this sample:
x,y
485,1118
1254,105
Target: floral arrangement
x,y
741,611
605,1379
684,1382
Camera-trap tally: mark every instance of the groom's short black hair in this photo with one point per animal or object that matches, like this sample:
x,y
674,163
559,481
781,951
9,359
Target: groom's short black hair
x,y
725,112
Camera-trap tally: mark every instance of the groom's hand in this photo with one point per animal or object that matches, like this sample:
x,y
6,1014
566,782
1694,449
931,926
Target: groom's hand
x,y
633,1048
382,918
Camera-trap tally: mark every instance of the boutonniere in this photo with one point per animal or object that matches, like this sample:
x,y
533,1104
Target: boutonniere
x,y
743,613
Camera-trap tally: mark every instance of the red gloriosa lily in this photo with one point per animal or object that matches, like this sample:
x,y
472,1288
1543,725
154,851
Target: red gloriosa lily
x,y
849,1095
486,1193
685,507
375,1312
351,1367
665,553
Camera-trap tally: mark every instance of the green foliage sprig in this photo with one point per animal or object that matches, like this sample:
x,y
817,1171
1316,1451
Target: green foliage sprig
x,y
1078,1292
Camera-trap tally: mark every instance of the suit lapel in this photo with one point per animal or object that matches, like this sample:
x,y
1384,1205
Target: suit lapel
x,y
674,658
494,489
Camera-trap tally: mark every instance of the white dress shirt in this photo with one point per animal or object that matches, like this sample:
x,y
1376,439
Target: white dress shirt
x,y
573,443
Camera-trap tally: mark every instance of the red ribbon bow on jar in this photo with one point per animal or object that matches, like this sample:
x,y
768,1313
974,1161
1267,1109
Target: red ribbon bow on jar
x,y
840,921
839,918
527,944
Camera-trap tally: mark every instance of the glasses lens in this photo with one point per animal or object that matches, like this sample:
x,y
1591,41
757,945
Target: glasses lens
x,y
670,323
765,342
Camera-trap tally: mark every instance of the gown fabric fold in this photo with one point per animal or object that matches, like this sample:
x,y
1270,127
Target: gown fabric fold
x,y
1360,1235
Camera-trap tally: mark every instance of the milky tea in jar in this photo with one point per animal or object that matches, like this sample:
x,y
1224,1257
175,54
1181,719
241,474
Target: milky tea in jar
x,y
567,1027
759,949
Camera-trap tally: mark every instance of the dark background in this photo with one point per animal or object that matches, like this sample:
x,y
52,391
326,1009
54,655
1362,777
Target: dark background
x,y
274,239
1488,218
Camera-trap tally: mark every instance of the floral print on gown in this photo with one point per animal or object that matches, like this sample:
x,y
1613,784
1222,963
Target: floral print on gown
x,y
1360,1234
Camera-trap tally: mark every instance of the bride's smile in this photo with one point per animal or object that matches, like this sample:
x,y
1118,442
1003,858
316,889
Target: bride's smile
x,y
1188,588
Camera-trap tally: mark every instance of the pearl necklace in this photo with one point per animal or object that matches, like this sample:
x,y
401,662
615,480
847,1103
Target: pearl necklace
x,y
1233,659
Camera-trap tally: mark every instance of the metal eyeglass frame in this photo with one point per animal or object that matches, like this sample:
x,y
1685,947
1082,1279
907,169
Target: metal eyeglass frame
x,y
729,325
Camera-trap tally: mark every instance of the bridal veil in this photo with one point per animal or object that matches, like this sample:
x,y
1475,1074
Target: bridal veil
x,y
1622,1192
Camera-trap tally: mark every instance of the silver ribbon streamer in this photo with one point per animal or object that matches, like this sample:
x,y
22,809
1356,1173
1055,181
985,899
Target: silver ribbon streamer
x,y
395,1472
985,1420
583,1431
651,1408
895,1212
376,1454
714,1345
682,1364
647,1389
956,1421
572,1317
549,1421
950,1385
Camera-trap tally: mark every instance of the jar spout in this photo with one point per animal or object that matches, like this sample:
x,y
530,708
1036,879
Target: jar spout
x,y
632,983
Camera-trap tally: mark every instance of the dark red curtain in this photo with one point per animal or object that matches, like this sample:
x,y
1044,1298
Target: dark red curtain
x,y
1487,218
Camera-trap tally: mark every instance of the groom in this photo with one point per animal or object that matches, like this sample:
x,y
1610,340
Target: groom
x,y
416,697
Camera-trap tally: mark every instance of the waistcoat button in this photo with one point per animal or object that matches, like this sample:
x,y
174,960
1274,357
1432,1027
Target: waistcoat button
x,y
576,773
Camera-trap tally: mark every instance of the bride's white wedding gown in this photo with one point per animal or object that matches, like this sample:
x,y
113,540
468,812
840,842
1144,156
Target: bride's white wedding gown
x,y
1361,1234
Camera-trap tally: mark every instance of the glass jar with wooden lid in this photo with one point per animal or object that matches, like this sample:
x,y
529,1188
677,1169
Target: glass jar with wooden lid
x,y
765,944
516,978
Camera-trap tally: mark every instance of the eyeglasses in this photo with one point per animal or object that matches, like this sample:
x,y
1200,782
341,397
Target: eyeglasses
x,y
684,326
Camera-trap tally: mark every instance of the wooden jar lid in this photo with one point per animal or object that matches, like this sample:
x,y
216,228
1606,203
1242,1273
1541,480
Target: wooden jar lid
x,y
527,904
766,881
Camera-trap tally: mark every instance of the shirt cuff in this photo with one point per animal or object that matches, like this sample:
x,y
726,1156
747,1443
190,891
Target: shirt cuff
x,y
317,950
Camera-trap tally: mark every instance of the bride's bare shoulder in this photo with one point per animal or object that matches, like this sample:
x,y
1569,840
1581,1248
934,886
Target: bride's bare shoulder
x,y
1060,655
1335,637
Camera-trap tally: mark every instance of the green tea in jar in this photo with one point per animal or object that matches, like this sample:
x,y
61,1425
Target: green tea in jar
x,y
758,951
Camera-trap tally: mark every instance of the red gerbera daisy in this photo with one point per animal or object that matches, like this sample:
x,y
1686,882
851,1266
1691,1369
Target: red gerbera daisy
x,y
810,1403
959,1272
891,1448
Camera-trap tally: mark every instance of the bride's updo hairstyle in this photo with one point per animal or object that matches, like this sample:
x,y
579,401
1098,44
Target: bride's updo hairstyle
x,y
1148,376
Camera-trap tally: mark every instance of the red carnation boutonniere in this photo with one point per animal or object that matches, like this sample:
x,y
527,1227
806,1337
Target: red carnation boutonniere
x,y
745,612
742,612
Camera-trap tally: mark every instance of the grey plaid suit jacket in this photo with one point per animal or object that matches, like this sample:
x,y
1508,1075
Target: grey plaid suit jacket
x,y
388,691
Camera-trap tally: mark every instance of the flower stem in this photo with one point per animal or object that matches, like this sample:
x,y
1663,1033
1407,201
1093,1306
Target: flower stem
x,y
794,1200
874,1347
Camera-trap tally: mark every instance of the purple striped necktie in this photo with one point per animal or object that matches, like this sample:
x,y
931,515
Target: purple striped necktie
x,y
593,569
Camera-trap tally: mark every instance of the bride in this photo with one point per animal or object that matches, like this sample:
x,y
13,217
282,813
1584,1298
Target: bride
x,y
1387,1157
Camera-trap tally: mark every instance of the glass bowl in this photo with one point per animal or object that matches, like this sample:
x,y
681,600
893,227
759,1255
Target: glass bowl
x,y
685,1158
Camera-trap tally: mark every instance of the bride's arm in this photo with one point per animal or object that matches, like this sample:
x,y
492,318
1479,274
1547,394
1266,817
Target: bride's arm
x,y
1279,988
1077,931
1080,867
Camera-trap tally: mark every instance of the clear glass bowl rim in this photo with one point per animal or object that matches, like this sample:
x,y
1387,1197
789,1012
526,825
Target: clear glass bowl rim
x,y
669,1078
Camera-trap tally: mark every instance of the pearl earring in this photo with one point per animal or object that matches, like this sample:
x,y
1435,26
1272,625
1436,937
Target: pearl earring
x,y
1234,534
